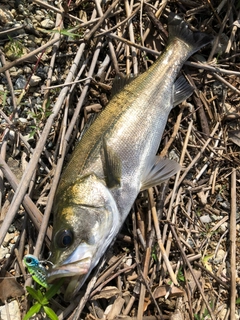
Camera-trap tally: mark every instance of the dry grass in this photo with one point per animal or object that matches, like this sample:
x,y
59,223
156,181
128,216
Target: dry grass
x,y
177,254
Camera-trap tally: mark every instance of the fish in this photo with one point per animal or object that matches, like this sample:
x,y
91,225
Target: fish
x,y
116,159
36,269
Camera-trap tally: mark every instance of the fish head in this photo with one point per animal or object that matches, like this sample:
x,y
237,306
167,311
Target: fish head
x,y
85,222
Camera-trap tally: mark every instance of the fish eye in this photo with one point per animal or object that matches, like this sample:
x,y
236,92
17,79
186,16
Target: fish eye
x,y
64,239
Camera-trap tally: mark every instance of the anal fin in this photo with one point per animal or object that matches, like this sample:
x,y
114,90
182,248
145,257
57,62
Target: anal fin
x,y
182,90
158,171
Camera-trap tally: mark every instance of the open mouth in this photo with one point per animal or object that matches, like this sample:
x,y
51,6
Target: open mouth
x,y
76,268
75,274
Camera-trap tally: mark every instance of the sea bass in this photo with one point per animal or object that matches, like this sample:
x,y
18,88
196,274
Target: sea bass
x,y
115,159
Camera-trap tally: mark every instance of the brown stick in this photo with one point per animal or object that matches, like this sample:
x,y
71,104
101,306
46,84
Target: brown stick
x,y
191,270
232,236
100,21
26,178
159,239
32,210
198,155
173,136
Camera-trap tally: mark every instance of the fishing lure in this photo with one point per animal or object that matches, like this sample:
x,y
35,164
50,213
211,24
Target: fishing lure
x,y
36,269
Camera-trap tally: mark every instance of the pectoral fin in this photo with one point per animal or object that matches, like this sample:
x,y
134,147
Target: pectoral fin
x,y
158,171
182,90
111,166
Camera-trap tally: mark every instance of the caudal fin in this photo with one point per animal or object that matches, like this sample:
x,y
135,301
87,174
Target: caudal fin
x,y
178,28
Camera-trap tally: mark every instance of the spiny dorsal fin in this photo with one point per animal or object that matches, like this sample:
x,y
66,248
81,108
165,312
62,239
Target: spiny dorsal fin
x,y
120,81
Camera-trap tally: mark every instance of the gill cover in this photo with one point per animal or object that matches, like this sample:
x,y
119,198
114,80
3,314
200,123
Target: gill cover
x,y
85,216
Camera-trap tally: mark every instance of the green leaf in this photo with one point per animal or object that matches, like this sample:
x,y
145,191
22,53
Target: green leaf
x,y
35,294
34,309
54,289
70,34
50,313
44,301
4,97
63,32
40,296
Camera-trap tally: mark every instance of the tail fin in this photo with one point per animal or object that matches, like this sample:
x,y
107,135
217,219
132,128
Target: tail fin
x,y
178,28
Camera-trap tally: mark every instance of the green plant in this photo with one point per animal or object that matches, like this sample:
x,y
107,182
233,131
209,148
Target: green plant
x,y
42,301
154,253
3,98
198,212
39,116
33,131
203,317
64,32
180,276
205,314
14,48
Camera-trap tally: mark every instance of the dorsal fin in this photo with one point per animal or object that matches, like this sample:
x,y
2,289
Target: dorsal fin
x,y
119,83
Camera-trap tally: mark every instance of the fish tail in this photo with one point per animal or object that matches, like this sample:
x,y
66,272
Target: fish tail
x,y
178,28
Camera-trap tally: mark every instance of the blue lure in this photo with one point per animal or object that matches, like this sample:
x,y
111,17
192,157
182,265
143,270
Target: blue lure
x,y
36,269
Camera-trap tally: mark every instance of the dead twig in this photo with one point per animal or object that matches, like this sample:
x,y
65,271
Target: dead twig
x,y
223,23
192,272
232,238
176,184
32,210
202,116
55,9
133,44
159,239
132,38
218,77
27,175
45,221
173,135
198,155
205,66
100,21
156,22
119,24
212,275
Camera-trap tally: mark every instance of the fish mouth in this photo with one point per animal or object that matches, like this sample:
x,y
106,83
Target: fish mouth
x,y
77,268
74,273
